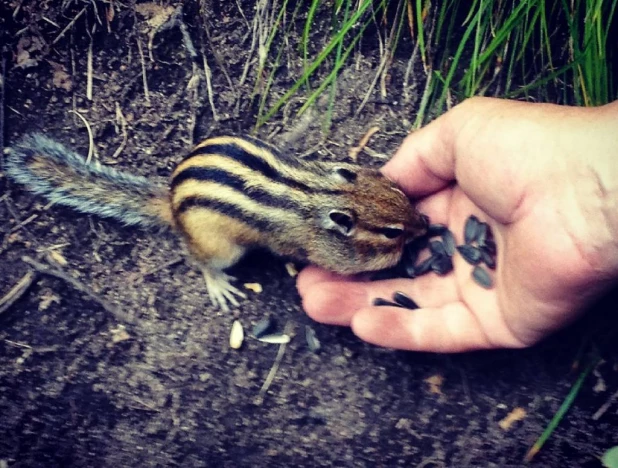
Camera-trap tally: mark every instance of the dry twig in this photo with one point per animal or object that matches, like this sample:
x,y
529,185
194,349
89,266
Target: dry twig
x,y
18,290
355,151
81,287
69,26
90,136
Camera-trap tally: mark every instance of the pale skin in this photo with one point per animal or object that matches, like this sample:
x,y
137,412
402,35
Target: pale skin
x,y
545,178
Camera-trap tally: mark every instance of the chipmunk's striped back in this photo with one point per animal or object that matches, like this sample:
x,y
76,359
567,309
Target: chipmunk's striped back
x,y
250,181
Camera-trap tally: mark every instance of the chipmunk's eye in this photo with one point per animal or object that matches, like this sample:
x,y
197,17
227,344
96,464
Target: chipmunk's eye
x,y
391,232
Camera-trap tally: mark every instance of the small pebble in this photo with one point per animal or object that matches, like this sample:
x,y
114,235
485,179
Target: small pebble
x,y
312,339
263,327
471,254
471,229
404,300
237,335
442,264
481,277
449,242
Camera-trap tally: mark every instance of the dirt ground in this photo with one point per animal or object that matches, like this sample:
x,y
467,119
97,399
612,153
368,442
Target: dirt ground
x,y
80,388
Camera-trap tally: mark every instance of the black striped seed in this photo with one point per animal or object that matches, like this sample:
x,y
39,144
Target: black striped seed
x,y
424,266
470,254
449,242
481,277
410,270
489,246
379,301
437,248
404,300
411,254
435,230
312,339
488,259
471,229
442,264
263,327
482,236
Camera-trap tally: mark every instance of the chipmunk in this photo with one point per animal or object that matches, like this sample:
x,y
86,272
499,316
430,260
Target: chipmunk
x,y
230,194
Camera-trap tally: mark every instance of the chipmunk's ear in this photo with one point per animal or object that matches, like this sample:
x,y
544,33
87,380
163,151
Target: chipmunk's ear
x,y
343,174
341,221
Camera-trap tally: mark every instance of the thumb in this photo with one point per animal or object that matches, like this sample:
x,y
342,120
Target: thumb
x,y
425,161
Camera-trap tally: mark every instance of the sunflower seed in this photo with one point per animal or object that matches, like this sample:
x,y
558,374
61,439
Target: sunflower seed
x,y
449,242
481,277
471,229
312,339
378,302
490,246
275,338
424,266
237,335
471,254
488,259
481,236
437,248
442,264
263,327
419,243
410,271
411,254
435,230
404,300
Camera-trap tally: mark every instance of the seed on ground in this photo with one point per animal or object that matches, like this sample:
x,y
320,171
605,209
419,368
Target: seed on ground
x,y
404,300
263,327
481,277
312,339
237,335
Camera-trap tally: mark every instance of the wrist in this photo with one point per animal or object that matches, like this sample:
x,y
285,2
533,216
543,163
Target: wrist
x,y
594,158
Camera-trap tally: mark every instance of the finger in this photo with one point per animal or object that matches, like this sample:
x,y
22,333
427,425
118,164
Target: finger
x,y
312,275
336,302
451,328
425,161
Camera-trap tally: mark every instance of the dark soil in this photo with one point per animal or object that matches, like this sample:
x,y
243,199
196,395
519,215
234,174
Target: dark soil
x,y
78,388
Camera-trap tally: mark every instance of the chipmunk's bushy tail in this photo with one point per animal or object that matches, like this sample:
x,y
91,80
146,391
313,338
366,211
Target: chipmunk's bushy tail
x,y
48,168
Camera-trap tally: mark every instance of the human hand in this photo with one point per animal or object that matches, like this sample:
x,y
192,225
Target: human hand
x,y
545,178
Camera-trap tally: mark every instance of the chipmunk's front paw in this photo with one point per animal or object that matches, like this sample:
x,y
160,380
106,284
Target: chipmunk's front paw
x,y
220,288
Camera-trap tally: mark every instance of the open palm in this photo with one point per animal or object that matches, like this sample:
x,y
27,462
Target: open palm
x,y
519,167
